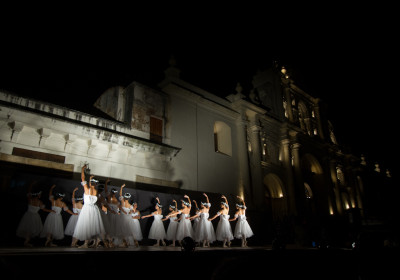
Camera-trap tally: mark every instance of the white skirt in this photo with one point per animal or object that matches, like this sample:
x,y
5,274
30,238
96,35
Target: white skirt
x,y
89,224
30,225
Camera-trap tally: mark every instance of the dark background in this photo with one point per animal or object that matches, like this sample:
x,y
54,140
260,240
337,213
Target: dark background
x,y
344,55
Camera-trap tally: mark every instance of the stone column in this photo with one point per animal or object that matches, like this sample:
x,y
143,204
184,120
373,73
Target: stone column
x,y
287,163
317,113
298,178
338,197
244,178
255,163
288,103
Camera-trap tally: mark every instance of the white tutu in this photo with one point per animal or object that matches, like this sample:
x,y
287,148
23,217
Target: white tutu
x,y
224,230
185,228
70,227
113,221
89,224
30,224
53,224
242,228
136,229
205,229
157,230
172,227
127,227
104,218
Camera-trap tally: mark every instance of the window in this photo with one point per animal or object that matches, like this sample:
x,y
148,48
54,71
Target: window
x,y
156,129
222,138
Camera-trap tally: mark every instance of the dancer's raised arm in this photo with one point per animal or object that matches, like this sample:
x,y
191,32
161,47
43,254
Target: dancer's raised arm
x,y
241,199
106,185
226,201
188,198
120,191
208,201
84,183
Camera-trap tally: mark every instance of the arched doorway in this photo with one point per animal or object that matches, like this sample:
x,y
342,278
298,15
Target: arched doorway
x,y
315,194
275,197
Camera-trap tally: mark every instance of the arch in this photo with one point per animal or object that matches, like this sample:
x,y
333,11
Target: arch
x,y
311,163
303,115
308,191
222,138
274,186
275,197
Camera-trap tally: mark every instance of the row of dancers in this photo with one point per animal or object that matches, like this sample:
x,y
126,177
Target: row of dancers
x,y
103,216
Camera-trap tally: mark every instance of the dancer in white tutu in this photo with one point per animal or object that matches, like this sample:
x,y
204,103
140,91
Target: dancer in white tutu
x,y
126,222
185,228
157,230
173,224
90,224
205,230
53,227
224,230
113,212
77,203
136,228
242,228
195,219
103,208
31,224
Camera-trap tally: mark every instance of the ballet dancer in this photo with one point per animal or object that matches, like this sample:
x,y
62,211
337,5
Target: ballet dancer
x,y
136,228
31,224
224,230
77,203
195,219
126,225
205,230
185,228
157,230
90,224
242,228
113,217
53,227
173,224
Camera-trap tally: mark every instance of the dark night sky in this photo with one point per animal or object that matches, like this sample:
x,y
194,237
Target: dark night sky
x,y
347,59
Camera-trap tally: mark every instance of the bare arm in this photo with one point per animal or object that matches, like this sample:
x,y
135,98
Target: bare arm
x,y
241,199
195,203
193,217
120,191
234,217
226,201
208,201
51,198
106,184
216,215
84,183
73,197
186,196
67,210
146,216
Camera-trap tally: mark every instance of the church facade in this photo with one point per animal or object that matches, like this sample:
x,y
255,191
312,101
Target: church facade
x,y
274,147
